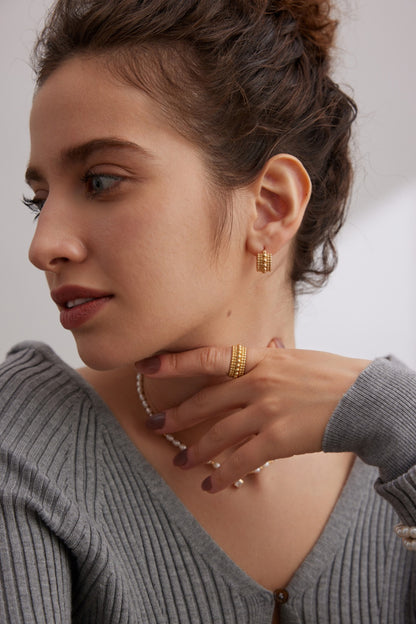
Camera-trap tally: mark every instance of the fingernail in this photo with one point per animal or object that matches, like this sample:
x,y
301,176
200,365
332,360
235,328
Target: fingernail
x,y
149,365
207,484
156,421
181,458
278,343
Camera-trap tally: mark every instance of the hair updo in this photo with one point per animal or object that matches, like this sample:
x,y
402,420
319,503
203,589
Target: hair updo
x,y
243,79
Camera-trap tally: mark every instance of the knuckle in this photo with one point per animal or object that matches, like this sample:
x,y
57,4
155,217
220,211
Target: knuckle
x,y
235,464
271,408
215,435
262,382
174,416
173,361
195,454
209,358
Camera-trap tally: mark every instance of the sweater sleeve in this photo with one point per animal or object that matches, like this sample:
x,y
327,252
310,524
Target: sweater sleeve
x,y
35,578
376,419
35,561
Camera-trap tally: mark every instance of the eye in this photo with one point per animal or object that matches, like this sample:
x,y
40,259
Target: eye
x,y
35,205
98,183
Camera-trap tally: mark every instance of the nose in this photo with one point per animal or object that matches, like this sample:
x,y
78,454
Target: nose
x,y
55,242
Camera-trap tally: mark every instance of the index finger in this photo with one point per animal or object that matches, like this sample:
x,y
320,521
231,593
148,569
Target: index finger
x,y
202,361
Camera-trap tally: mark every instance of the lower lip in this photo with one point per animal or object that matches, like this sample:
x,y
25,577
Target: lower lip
x,y
71,318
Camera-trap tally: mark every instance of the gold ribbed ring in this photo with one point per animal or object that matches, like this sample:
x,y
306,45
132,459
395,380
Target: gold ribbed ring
x,y
238,361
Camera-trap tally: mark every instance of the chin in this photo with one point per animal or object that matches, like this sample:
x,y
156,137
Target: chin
x,y
103,351
106,354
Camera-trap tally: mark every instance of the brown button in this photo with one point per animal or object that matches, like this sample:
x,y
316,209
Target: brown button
x,y
281,596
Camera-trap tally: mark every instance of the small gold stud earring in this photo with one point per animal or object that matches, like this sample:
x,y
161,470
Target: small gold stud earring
x,y
264,262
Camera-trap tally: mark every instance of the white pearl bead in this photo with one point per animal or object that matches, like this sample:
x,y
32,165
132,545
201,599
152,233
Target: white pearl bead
x,y
238,483
412,532
169,437
183,447
410,544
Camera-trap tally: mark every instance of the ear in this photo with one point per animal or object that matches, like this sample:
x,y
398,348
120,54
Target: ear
x,y
281,192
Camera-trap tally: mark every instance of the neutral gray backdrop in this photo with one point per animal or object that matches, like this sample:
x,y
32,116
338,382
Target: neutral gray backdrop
x,y
369,307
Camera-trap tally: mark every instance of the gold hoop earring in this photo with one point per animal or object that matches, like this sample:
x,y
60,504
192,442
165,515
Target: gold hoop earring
x,y
264,262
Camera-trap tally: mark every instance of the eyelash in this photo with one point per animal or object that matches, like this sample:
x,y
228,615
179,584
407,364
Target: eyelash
x,y
36,205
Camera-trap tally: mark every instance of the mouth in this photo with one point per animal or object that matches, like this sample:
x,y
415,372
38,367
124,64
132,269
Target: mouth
x,y
68,297
78,304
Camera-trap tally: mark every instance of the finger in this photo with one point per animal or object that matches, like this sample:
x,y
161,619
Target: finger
x,y
224,434
247,458
210,402
196,362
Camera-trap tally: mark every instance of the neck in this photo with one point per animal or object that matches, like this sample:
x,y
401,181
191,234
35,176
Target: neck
x,y
163,394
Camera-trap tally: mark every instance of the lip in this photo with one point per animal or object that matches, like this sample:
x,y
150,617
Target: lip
x,y
71,318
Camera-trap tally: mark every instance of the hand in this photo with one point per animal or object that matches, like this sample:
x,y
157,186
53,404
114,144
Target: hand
x,y
279,408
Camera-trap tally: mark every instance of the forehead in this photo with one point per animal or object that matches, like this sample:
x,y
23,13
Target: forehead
x,y
82,101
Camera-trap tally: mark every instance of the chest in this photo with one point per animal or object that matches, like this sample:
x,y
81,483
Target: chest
x,y
269,525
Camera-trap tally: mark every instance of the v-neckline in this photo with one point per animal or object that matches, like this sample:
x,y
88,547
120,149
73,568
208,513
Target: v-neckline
x,y
331,539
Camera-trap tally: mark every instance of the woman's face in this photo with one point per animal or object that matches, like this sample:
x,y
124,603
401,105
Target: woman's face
x,y
125,231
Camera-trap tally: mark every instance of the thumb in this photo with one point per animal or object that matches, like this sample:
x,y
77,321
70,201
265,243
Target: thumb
x,y
275,343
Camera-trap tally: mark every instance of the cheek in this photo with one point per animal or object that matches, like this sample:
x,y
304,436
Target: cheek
x,y
160,237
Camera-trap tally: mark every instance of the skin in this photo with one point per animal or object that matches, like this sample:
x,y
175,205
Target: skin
x,y
122,219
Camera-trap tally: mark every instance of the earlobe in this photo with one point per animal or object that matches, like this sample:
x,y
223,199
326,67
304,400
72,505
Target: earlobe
x,y
282,191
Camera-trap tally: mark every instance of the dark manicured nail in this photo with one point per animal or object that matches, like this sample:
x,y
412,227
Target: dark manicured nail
x,y
207,484
149,365
181,458
278,343
156,421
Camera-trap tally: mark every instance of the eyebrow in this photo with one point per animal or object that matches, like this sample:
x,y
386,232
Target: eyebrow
x,y
80,153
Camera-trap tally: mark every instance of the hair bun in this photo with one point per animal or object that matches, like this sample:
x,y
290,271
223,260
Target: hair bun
x,y
315,23
313,18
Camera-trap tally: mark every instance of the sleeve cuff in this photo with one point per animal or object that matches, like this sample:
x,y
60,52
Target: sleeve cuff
x,y
376,419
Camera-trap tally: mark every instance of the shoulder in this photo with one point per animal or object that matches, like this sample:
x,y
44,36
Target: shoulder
x,y
27,361
35,383
45,413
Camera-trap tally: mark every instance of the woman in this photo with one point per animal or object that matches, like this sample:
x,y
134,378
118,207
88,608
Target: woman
x,y
189,167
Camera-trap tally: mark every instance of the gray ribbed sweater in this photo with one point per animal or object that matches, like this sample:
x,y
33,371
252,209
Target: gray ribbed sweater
x,y
89,532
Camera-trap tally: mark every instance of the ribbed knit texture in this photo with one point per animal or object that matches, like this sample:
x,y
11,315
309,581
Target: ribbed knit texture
x,y
381,412
89,532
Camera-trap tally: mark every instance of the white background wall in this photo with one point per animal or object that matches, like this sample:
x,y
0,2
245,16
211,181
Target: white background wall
x,y
369,306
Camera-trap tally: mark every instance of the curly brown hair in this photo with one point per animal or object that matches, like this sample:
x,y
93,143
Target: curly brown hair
x,y
242,79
